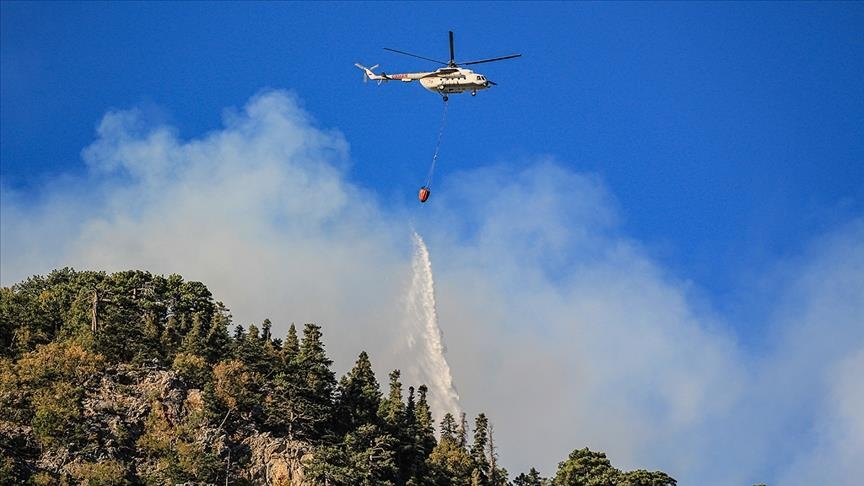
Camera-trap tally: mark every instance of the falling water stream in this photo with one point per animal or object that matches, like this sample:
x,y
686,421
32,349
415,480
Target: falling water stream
x,y
425,340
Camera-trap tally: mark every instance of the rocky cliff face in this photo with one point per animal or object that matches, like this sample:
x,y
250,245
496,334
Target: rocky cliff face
x,y
276,461
139,425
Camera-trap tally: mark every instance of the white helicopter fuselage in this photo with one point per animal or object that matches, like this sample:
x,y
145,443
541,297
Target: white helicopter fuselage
x,y
458,81
444,81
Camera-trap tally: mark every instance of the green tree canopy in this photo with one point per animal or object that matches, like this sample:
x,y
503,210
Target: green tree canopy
x,y
359,396
533,478
129,372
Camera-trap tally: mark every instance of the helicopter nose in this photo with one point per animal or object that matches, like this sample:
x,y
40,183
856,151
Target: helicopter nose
x,y
490,83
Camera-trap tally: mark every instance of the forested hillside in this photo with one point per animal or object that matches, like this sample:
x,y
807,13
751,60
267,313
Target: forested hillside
x,y
131,378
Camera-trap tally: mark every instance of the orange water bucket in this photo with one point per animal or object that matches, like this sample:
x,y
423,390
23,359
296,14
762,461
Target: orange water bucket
x,y
423,195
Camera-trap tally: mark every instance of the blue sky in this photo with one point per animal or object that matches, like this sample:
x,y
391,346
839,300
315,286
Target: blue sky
x,y
717,147
727,132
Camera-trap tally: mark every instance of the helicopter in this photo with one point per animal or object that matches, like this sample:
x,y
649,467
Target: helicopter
x,y
446,80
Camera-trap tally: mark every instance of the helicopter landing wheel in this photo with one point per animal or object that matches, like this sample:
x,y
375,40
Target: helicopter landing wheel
x,y
445,98
474,93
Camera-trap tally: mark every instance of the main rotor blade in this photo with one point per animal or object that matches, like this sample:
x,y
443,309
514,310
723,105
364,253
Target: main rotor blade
x,y
511,56
452,55
414,55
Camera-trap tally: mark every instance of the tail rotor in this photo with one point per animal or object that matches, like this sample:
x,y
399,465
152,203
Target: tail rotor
x,y
367,72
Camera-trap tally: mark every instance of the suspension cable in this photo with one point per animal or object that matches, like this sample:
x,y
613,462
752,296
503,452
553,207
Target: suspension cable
x,y
437,148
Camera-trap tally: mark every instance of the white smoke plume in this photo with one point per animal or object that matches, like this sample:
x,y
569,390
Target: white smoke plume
x,y
424,337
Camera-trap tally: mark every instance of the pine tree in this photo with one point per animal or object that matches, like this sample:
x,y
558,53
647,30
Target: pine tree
x,y
370,453
392,410
115,321
410,456
393,415
285,408
448,428
359,396
585,466
410,409
193,342
448,462
170,338
641,477
478,448
318,384
151,333
533,478
462,434
290,349
423,420
218,342
365,457
421,436
266,336
272,348
251,350
239,335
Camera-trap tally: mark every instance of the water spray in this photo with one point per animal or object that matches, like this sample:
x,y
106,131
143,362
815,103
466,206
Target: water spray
x,y
425,338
